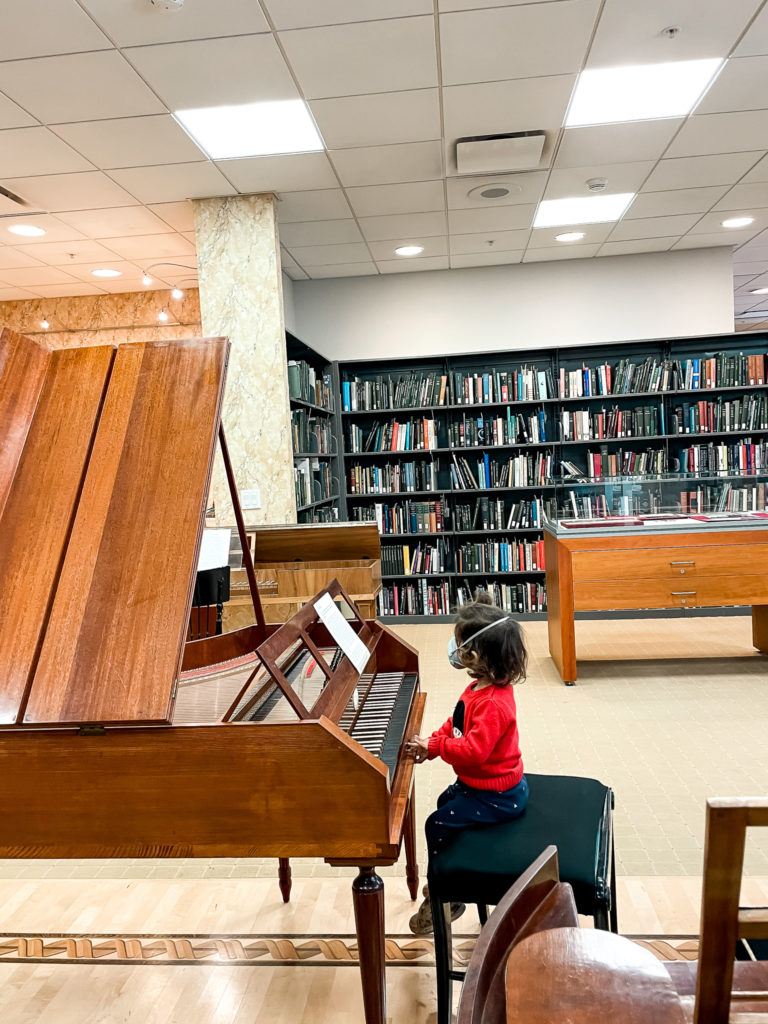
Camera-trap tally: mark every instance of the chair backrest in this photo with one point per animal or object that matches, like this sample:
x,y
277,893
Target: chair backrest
x,y
722,922
538,900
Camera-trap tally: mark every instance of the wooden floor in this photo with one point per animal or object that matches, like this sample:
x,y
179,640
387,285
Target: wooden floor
x,y
667,712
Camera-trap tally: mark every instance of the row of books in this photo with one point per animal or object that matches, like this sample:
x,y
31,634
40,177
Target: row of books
x,y
312,480
654,374
519,471
605,463
744,499
380,392
744,457
311,433
307,385
586,425
405,517
510,428
503,555
495,514
321,514
420,598
747,413
392,477
409,436
511,597
524,385
423,558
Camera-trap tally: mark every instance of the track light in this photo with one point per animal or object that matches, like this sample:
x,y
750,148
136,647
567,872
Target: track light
x,y
44,324
177,293
162,316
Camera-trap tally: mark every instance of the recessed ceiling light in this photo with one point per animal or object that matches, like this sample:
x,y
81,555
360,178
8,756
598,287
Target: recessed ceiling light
x,y
27,230
409,250
177,293
106,272
641,92
570,236
582,210
759,291
738,222
252,129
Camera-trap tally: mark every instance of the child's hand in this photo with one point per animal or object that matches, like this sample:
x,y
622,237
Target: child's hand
x,y
417,748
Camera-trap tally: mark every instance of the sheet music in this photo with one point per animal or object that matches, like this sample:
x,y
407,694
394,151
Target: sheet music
x,y
342,632
214,549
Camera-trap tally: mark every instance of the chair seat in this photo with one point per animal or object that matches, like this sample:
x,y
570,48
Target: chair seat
x,y
573,814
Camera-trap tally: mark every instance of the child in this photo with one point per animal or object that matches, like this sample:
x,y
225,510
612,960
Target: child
x,y
480,740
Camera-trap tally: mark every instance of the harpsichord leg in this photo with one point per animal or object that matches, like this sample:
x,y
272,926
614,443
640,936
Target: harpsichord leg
x,y
368,899
284,877
411,867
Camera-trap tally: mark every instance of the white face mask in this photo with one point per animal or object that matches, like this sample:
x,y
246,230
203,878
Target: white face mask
x,y
453,648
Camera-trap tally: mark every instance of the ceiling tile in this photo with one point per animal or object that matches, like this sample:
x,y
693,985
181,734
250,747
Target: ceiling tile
x,y
129,272
489,241
743,197
490,108
151,247
572,181
444,6
131,141
743,282
710,222
343,270
653,227
485,259
758,173
275,173
631,33
347,60
403,226
607,143
12,116
378,120
414,265
638,245
384,165
173,182
37,28
434,245
115,222
563,252
55,291
703,241
320,232
11,258
738,132
189,74
756,40
128,284
531,40
382,200
81,191
25,151
308,13
685,172
313,204
324,255
541,237
64,254
525,187
30,276
758,267
132,24
180,216
739,86
492,218
9,294
680,200
78,87
56,229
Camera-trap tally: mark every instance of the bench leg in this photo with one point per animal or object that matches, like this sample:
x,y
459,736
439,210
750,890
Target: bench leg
x,y
441,923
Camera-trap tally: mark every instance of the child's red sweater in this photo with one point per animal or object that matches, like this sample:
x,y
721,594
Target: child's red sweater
x,y
480,740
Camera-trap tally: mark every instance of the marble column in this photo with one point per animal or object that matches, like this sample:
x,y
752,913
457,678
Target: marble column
x,y
241,297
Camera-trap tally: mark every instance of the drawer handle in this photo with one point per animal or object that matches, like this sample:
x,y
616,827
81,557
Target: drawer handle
x,y
683,563
680,593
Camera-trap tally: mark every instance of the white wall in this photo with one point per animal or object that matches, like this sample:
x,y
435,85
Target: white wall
x,y
289,305
568,302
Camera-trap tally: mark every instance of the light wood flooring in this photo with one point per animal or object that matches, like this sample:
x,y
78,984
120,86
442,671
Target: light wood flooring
x,y
667,712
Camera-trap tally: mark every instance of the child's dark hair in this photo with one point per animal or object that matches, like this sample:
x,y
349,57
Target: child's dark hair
x,y
497,654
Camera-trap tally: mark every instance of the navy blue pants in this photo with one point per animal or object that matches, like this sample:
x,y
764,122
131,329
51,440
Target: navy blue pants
x,y
462,806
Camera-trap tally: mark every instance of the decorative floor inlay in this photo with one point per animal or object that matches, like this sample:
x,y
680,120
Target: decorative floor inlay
x,y
264,950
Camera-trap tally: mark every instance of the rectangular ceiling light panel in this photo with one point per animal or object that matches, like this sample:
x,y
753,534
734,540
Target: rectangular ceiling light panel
x,y
252,129
642,92
581,210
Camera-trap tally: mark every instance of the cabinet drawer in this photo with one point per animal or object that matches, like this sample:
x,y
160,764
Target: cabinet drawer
x,y
669,562
704,591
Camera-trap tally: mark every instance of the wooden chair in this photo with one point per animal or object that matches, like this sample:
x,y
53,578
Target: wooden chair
x,y
480,865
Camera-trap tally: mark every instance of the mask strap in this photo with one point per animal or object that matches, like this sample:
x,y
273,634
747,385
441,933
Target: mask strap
x,y
483,630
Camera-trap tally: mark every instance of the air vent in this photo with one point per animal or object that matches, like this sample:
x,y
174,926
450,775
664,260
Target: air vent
x,y
498,154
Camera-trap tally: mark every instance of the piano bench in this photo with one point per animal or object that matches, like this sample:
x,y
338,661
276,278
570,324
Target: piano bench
x,y
480,864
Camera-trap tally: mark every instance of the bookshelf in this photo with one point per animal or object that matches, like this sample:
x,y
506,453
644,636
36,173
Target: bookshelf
x,y
317,464
460,460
